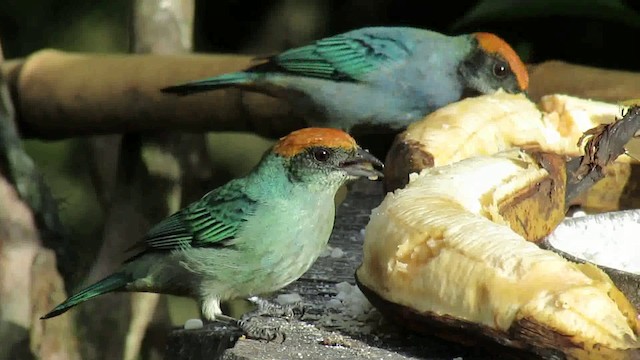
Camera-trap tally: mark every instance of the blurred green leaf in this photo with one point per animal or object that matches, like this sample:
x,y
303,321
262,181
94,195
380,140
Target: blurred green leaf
x,y
237,153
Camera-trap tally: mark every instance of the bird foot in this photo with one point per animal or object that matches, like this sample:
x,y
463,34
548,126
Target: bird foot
x,y
255,323
252,326
255,329
267,308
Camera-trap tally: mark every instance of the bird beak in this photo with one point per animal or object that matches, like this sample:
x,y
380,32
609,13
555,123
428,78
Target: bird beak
x,y
363,164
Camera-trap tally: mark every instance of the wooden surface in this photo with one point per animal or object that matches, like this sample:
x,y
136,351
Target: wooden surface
x,y
60,94
325,332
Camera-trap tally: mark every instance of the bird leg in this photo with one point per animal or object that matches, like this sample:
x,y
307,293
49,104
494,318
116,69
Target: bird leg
x,y
268,308
210,310
254,329
226,319
251,327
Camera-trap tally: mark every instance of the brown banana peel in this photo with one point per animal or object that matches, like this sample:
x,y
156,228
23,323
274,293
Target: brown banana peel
x,y
488,124
449,254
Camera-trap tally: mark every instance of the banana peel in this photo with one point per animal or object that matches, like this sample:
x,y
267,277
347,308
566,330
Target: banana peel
x,y
448,254
488,124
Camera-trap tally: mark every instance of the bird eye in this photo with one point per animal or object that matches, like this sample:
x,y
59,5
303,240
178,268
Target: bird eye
x,y
500,69
321,154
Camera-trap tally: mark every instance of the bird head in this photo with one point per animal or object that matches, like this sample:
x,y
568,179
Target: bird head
x,y
325,156
493,64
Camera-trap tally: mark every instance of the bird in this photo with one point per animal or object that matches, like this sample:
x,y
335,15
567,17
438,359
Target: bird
x,y
250,236
377,77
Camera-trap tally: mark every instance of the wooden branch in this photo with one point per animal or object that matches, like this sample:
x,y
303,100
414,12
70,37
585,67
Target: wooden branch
x,y
583,81
29,286
209,342
29,281
163,28
60,94
20,169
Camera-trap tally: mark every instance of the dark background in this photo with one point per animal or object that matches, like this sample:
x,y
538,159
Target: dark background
x,y
593,32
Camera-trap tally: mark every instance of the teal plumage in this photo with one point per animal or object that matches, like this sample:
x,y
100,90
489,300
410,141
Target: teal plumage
x,y
252,235
341,58
110,283
211,222
385,76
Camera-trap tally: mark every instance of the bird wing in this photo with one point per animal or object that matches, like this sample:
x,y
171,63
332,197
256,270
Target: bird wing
x,y
212,221
340,57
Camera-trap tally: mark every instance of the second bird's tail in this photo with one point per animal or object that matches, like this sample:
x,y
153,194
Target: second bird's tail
x,y
212,83
108,284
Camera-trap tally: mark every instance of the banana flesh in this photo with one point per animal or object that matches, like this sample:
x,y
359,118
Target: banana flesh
x,y
442,246
489,124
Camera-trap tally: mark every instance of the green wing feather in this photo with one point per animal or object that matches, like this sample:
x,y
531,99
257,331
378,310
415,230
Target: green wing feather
x,y
339,57
213,221
346,57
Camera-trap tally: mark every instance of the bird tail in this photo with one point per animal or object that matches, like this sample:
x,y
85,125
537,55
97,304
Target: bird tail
x,y
213,83
108,284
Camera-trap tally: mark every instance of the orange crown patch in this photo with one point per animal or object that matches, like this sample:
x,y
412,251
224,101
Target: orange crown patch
x,y
493,44
302,139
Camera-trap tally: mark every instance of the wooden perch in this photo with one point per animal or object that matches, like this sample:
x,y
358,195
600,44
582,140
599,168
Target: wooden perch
x,y
588,82
60,94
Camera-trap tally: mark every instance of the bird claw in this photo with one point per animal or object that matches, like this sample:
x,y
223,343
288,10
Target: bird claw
x,y
253,328
268,308
257,331
294,311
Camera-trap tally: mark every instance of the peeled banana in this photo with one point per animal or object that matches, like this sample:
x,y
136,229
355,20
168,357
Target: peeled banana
x,y
445,254
488,124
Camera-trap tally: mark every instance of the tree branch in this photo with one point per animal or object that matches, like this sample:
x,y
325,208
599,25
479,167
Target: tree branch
x,y
553,77
18,166
61,95
29,282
